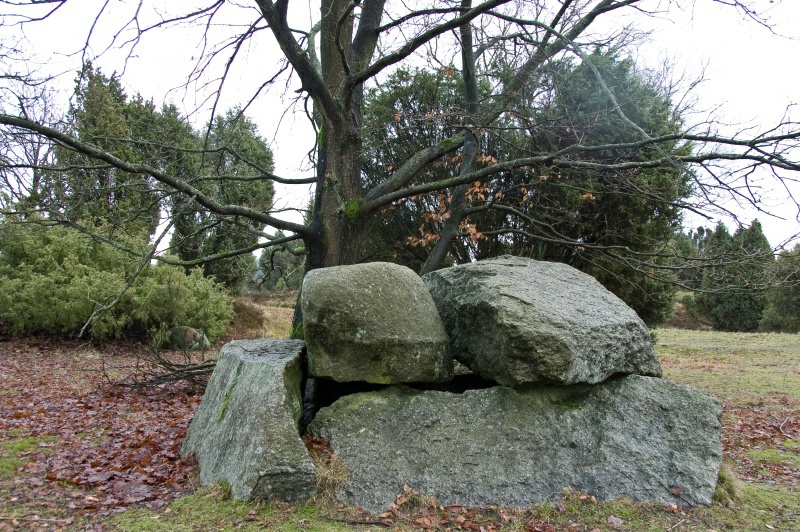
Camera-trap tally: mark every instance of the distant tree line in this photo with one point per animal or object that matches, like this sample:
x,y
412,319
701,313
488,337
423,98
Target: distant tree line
x,y
738,284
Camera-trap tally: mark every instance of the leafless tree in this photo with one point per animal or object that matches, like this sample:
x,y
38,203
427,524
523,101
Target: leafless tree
x,y
348,45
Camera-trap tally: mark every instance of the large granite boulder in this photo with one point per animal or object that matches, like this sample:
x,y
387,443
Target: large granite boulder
x,y
375,323
519,321
645,438
245,431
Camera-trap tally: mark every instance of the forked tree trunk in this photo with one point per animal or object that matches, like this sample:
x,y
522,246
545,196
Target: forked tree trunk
x,y
336,235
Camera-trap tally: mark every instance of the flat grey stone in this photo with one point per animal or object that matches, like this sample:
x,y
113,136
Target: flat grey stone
x,y
518,321
245,430
640,437
375,323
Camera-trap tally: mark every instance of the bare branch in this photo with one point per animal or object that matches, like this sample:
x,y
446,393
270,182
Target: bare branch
x,y
310,77
171,181
413,44
560,159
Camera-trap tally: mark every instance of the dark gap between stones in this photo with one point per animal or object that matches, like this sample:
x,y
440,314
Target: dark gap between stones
x,y
320,392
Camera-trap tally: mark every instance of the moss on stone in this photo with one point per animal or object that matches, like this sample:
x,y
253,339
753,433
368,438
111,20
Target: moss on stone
x,y
226,400
296,332
568,406
449,144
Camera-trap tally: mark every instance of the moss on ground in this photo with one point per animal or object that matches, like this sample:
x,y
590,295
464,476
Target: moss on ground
x,y
791,444
11,450
759,508
773,456
210,509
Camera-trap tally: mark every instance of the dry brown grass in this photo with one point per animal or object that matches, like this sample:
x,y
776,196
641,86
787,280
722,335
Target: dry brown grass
x,y
741,369
262,315
682,319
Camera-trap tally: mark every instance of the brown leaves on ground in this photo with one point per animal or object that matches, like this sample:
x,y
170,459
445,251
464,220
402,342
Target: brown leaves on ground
x,y
420,512
101,447
769,430
95,449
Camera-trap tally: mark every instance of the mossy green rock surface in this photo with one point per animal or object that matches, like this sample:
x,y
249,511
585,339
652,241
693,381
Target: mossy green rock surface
x,y
245,431
375,323
518,321
641,437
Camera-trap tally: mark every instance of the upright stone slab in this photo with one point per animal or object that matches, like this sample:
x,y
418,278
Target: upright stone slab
x,y
375,323
245,430
645,438
519,321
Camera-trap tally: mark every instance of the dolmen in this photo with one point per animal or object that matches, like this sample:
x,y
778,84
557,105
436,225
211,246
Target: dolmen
x,y
570,394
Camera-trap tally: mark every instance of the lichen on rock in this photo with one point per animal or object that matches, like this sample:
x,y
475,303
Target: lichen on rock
x,y
375,323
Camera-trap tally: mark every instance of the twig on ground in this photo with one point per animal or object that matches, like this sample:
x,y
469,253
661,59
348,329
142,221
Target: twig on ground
x,y
351,522
676,525
780,429
153,368
38,519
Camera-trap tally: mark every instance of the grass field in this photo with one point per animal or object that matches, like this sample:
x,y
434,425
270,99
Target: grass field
x,y
741,369
757,376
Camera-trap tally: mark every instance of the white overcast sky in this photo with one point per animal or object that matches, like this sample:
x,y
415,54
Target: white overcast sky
x,y
751,73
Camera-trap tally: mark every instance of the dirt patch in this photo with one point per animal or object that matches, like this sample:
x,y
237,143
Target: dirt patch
x,y
261,315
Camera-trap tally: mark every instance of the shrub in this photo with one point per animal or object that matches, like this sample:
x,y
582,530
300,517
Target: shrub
x,y
167,297
53,278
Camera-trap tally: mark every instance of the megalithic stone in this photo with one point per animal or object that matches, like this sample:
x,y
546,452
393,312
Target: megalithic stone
x,y
373,322
644,438
245,431
519,321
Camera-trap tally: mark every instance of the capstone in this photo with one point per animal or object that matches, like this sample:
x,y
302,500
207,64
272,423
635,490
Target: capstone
x,y
375,323
519,321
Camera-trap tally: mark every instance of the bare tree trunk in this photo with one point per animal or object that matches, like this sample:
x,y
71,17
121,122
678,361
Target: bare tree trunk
x,y
471,147
336,227
341,206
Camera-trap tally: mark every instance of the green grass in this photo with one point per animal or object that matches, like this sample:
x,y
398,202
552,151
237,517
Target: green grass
x,y
791,444
741,369
760,506
209,509
10,452
773,456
